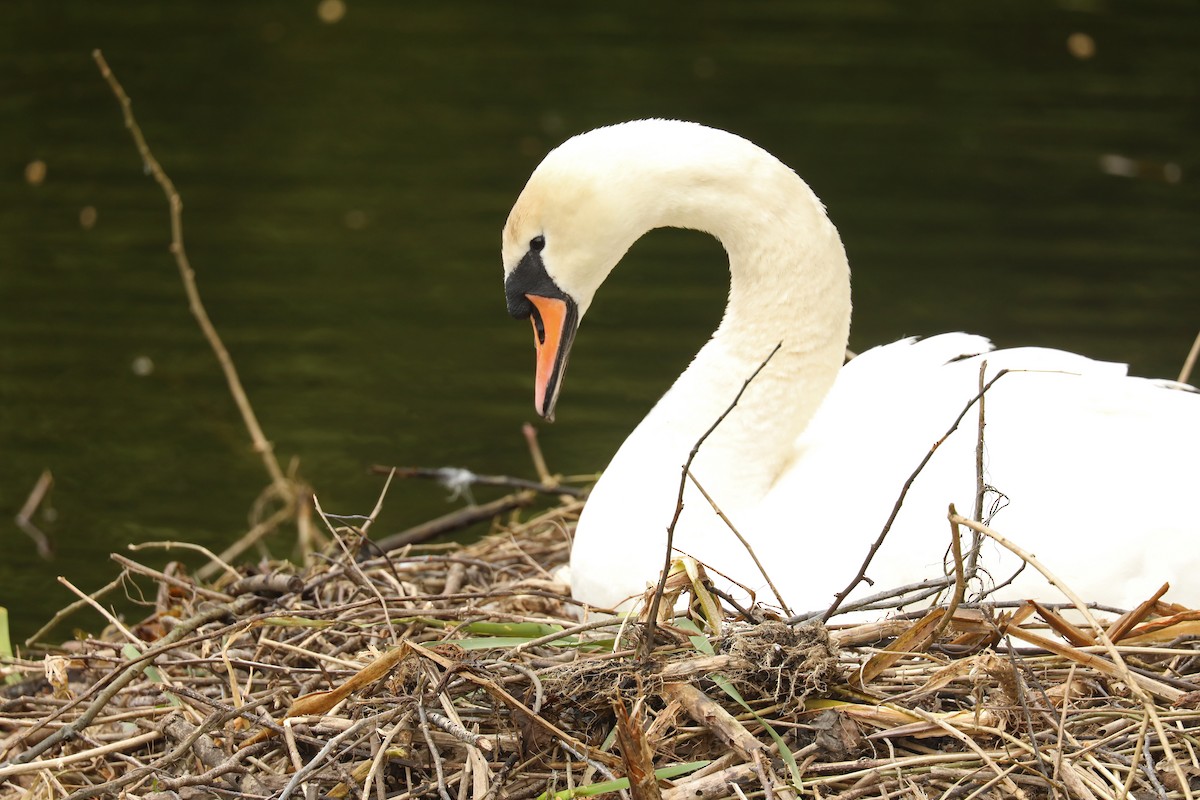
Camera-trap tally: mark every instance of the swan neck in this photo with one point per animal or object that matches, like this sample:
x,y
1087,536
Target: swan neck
x,y
789,287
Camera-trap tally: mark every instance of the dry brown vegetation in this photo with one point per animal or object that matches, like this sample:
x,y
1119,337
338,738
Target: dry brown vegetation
x,y
402,670
448,671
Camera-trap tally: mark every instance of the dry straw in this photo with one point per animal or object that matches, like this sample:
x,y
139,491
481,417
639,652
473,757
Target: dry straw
x,y
412,670
458,672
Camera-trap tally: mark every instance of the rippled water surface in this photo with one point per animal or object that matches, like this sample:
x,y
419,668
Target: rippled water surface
x,y
1024,170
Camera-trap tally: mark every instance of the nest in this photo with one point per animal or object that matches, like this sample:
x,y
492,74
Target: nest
x,y
454,672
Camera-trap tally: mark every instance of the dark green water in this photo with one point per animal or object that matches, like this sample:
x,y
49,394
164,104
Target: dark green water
x,y
345,185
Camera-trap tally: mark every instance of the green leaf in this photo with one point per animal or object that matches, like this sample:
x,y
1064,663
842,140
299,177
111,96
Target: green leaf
x,y
132,652
698,640
673,771
784,752
297,622
488,642
6,648
528,630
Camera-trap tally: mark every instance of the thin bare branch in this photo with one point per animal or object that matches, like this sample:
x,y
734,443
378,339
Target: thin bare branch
x,y
260,442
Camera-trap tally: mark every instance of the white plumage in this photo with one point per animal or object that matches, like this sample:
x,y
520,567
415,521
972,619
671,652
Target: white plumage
x,y
1098,471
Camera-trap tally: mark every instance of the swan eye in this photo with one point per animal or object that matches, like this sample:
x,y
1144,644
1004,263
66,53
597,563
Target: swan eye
x,y
537,243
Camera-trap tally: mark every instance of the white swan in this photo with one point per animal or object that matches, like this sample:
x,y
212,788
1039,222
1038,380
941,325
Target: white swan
x,y
1101,471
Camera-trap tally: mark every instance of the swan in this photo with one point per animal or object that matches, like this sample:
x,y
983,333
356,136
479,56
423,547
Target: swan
x,y
1092,471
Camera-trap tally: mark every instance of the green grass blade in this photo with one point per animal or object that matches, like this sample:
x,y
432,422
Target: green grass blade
x,y
784,751
673,771
6,648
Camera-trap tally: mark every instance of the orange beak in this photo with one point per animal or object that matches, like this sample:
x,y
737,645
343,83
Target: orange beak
x,y
554,323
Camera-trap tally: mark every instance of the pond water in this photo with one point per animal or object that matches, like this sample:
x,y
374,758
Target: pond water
x,y
1024,170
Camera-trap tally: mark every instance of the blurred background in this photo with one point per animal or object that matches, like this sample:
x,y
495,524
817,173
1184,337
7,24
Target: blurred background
x,y
1025,170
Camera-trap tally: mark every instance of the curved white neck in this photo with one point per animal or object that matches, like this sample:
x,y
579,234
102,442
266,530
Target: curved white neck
x,y
789,286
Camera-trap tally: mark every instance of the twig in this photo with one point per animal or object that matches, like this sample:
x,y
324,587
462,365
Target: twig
x,y
715,718
24,518
187,586
453,521
16,768
366,526
434,755
980,486
1148,766
379,756
862,571
1135,761
101,610
456,476
73,607
1134,681
1023,701
960,581
183,745
199,548
888,598
535,452
1010,786
134,668
353,562
745,544
647,644
261,445
247,540
316,761
1189,363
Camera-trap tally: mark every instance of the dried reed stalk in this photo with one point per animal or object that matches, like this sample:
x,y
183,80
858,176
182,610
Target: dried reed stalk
x,y
499,689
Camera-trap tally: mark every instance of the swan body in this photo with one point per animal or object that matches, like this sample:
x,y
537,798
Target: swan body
x,y
1087,468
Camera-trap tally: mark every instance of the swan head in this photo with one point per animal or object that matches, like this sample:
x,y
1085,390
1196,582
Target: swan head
x,y
595,195
582,209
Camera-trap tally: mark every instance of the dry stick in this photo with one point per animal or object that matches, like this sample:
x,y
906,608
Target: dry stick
x,y
535,452
1135,761
453,521
167,545
187,586
1062,717
901,595
434,753
101,610
182,747
78,604
1129,677
357,570
384,744
1022,700
960,581
366,526
1190,362
763,570
980,486
719,722
24,518
261,444
546,486
247,540
862,571
135,667
15,768
318,760
647,644
498,692
231,763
